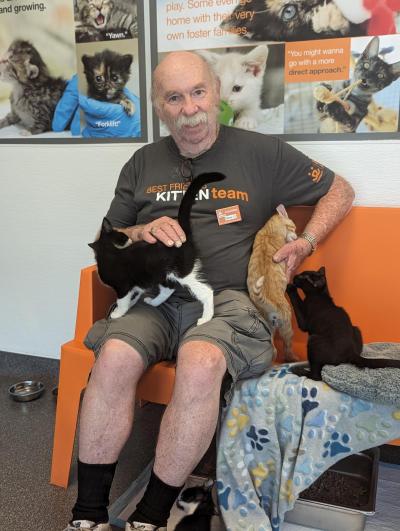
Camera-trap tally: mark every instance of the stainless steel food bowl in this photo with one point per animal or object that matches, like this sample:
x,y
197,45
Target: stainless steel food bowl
x,y
26,390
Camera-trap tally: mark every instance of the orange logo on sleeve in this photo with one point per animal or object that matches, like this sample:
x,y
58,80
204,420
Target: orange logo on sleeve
x,y
316,171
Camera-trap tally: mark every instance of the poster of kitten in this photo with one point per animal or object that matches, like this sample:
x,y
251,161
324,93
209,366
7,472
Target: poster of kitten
x,y
35,71
108,73
35,92
102,20
366,102
293,20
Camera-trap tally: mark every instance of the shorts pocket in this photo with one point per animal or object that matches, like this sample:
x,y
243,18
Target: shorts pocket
x,y
94,338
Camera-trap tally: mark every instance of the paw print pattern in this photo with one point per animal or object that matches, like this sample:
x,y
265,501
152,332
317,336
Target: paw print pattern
x,y
287,492
336,445
244,500
262,471
239,421
223,495
251,395
308,404
320,423
258,438
372,428
280,372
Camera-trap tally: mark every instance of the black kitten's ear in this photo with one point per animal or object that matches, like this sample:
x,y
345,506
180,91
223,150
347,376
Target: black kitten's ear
x,y
106,226
92,245
127,60
322,270
396,69
372,49
87,60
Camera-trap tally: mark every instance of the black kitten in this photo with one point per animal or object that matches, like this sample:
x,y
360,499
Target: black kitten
x,y
132,268
332,337
199,502
35,92
373,74
107,73
290,20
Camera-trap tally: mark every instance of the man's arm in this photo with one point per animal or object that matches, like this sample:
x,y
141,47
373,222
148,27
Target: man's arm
x,y
328,212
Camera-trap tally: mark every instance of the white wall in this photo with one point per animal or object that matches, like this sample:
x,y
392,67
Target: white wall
x,y
53,198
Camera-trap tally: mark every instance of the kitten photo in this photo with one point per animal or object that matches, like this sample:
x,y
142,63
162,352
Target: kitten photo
x,y
198,504
373,74
241,76
35,93
98,20
132,268
107,73
266,279
290,20
332,337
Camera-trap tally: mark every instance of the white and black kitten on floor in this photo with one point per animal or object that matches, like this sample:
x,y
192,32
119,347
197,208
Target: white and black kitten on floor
x,y
198,504
132,268
332,337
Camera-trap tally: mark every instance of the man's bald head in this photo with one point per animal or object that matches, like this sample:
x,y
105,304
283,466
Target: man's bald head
x,y
174,65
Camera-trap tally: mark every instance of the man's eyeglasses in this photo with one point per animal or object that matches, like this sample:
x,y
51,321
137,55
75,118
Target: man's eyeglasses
x,y
185,170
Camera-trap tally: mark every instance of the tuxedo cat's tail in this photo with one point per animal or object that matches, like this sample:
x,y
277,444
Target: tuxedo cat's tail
x,y
190,198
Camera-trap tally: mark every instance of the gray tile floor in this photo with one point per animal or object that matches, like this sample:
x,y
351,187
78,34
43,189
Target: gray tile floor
x,y
29,503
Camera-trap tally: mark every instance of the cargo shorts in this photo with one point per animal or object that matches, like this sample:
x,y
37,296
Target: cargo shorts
x,y
237,328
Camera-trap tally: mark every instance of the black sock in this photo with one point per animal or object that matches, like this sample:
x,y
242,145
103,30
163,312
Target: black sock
x,y
94,484
156,504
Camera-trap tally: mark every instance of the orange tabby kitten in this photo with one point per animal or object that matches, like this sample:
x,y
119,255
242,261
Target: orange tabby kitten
x,y
266,280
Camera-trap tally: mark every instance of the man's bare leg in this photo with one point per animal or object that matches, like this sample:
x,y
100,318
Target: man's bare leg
x,y
108,404
190,420
105,424
186,431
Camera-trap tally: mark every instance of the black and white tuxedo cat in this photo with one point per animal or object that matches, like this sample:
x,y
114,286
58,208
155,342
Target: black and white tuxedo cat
x,y
132,268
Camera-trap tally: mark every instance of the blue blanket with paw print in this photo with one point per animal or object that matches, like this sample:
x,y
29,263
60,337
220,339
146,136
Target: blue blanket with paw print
x,y
280,433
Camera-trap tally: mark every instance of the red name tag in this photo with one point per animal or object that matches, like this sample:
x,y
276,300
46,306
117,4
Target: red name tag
x,y
228,215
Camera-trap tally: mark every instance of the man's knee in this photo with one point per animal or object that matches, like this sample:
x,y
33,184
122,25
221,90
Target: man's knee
x,y
119,359
201,365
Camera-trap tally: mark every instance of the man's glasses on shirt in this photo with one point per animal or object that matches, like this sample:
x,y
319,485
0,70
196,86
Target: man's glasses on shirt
x,y
185,170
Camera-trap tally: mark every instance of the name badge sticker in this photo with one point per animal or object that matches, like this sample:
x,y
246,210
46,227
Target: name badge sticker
x,y
228,215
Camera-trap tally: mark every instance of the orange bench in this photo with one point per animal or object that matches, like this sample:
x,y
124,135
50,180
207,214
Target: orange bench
x,y
361,257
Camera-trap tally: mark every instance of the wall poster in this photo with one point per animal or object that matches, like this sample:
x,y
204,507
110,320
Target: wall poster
x,y
72,71
326,69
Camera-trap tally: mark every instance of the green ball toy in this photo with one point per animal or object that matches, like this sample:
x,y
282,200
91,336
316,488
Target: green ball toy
x,y
226,114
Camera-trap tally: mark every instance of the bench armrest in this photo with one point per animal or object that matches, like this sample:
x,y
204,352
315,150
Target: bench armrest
x,y
93,301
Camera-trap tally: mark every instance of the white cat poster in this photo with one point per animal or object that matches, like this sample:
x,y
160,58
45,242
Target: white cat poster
x,y
323,68
72,71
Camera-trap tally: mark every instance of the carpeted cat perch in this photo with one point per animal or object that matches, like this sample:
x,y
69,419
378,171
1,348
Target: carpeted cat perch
x,y
375,385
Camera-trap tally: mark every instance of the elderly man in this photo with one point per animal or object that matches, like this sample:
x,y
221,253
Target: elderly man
x,y
261,172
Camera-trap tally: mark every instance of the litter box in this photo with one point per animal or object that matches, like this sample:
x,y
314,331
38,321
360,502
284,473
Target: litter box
x,y
342,497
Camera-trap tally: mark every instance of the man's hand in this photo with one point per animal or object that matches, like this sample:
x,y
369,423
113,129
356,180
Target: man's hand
x,y
292,254
164,229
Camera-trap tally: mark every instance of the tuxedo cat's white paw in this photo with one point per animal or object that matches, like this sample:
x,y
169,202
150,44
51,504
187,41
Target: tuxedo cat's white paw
x,y
246,122
117,312
203,320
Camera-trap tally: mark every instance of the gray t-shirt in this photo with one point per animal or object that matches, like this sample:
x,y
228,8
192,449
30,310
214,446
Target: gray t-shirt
x,y
261,172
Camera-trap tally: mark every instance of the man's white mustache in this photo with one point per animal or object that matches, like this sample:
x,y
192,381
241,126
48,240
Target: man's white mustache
x,y
196,119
